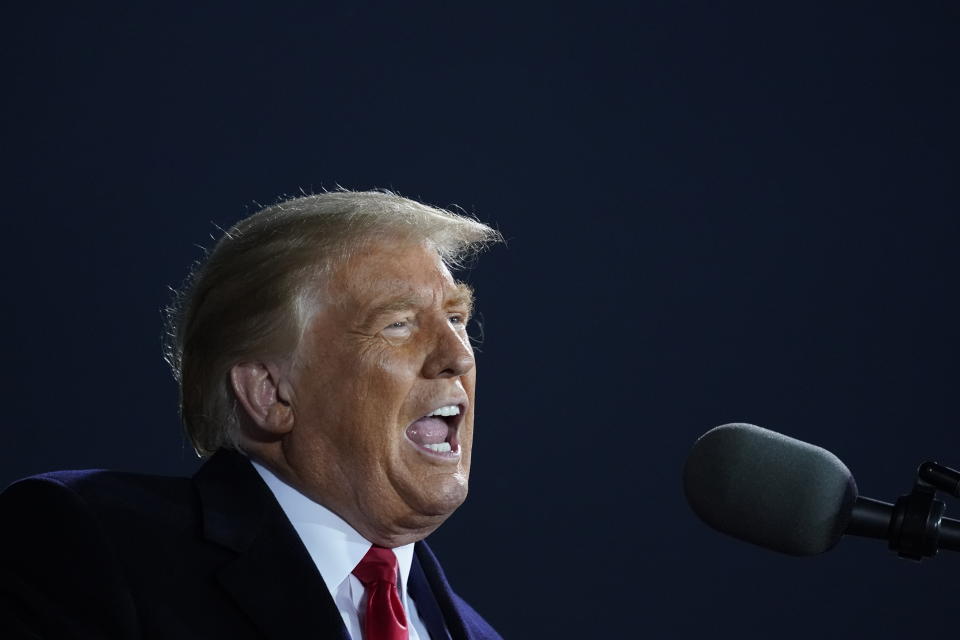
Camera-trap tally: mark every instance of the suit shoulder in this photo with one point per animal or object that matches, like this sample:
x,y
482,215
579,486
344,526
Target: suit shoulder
x,y
58,568
112,497
95,481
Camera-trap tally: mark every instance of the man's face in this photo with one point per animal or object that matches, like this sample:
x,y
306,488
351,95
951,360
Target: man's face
x,y
387,348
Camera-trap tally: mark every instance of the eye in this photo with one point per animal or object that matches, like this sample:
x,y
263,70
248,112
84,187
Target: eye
x,y
398,329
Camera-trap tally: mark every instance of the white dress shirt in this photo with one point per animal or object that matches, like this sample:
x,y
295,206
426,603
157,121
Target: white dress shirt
x,y
336,548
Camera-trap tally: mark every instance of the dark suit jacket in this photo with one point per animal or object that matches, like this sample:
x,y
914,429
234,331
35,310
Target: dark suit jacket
x,y
103,554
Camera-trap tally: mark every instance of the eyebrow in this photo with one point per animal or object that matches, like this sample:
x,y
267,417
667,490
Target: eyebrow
x,y
461,296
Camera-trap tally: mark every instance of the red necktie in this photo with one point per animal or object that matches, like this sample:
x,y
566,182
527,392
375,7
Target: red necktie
x,y
385,619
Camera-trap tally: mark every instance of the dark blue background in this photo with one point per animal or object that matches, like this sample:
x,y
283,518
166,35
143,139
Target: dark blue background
x,y
714,212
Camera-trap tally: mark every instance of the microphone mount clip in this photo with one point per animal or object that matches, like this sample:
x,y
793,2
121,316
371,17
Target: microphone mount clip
x,y
915,525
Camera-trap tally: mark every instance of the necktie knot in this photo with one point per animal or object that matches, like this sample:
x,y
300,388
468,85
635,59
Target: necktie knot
x,y
379,565
385,618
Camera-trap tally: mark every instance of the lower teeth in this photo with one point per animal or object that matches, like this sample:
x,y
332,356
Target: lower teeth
x,y
442,447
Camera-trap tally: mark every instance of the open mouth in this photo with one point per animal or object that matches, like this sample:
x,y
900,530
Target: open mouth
x,y
436,433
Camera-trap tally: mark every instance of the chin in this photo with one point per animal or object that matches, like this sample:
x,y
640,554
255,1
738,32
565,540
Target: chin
x,y
442,500
450,500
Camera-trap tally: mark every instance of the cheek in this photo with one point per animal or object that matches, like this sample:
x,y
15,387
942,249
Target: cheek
x,y
379,394
390,375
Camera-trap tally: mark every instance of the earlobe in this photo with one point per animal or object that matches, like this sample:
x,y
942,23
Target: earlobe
x,y
257,388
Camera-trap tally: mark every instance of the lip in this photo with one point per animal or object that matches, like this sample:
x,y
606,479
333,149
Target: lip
x,y
453,438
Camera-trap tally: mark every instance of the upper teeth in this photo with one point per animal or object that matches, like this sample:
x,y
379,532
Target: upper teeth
x,y
449,410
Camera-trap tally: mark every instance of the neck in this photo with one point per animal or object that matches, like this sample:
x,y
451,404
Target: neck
x,y
379,526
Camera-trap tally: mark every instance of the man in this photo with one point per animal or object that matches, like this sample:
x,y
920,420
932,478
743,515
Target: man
x,y
326,372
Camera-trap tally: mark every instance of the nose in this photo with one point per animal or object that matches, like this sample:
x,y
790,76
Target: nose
x,y
451,355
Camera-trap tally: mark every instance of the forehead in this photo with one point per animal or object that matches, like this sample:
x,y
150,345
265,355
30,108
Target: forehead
x,y
383,269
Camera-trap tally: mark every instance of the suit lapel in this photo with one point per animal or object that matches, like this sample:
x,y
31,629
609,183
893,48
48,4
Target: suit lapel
x,y
440,588
427,606
462,621
273,578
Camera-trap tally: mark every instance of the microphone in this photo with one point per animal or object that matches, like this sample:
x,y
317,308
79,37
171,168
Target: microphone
x,y
796,498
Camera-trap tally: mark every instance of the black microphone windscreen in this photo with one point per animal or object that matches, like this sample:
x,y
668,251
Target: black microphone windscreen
x,y
769,489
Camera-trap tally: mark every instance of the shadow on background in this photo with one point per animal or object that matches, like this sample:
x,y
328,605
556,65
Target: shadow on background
x,y
713,214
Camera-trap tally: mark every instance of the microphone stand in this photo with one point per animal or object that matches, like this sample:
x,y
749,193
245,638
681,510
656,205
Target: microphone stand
x,y
915,526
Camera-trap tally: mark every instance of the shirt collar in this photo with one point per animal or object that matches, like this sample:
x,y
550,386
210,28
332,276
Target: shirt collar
x,y
334,546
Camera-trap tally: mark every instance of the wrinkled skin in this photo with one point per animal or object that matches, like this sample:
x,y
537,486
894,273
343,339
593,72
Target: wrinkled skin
x,y
331,420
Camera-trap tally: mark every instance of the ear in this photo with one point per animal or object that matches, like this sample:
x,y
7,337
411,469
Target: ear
x,y
258,387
